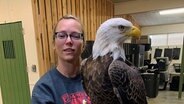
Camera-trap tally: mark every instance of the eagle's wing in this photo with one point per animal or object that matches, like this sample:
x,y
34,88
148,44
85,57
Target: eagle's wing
x,y
96,80
127,83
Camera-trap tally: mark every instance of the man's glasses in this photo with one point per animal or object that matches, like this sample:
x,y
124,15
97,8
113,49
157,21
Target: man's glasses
x,y
63,35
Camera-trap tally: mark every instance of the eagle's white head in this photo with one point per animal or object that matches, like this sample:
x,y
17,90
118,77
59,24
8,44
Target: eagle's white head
x,y
111,35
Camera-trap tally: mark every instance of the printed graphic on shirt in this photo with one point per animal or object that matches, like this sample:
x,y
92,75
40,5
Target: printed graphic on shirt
x,y
75,98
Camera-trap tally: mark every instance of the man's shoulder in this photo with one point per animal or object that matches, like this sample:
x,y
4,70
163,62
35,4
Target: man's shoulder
x,y
44,89
46,78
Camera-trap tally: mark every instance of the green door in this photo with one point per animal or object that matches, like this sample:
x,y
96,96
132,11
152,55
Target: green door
x,y
13,74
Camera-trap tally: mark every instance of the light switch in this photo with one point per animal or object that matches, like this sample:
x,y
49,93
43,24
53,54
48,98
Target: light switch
x,y
33,68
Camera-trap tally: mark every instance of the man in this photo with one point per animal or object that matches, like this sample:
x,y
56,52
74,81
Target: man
x,y
62,84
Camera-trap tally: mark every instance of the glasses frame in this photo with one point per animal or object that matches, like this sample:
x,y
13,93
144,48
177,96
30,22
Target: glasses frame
x,y
73,35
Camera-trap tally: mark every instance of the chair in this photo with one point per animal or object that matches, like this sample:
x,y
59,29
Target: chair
x,y
163,63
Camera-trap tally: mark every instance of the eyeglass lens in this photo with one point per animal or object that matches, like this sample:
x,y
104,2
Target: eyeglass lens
x,y
64,35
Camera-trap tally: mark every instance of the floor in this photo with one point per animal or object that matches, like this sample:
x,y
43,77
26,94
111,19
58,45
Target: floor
x,y
167,97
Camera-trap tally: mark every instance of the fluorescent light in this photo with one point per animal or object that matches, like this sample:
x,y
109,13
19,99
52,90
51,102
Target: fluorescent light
x,y
172,11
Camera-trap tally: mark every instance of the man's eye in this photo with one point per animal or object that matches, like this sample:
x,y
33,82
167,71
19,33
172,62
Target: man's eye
x,y
61,35
75,35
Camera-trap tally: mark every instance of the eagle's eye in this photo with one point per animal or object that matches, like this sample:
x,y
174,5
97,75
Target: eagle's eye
x,y
121,27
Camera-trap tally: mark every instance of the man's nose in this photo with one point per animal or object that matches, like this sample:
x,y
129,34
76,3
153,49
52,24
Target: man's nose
x,y
68,38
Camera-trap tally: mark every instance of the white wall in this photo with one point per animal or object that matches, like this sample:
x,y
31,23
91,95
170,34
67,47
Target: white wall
x,y
150,30
21,10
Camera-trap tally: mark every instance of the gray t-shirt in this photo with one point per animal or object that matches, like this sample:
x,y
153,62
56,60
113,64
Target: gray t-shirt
x,y
54,88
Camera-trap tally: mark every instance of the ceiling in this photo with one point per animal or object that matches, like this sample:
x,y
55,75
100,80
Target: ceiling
x,y
152,18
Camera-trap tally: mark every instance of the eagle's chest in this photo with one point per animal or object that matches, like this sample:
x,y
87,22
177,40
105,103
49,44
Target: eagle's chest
x,y
97,73
98,82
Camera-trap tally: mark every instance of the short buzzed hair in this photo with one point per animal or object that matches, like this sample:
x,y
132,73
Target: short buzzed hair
x,y
69,17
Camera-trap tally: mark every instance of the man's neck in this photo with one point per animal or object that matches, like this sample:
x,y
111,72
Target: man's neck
x,y
68,69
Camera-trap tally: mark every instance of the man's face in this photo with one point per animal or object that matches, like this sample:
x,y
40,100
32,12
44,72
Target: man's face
x,y
67,43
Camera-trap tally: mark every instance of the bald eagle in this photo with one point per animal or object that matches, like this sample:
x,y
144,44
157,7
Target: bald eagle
x,y
107,78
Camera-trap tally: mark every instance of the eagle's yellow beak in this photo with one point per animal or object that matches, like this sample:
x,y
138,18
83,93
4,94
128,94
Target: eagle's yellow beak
x,y
135,32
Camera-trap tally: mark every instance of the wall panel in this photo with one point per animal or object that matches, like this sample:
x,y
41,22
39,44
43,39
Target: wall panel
x,y
46,13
